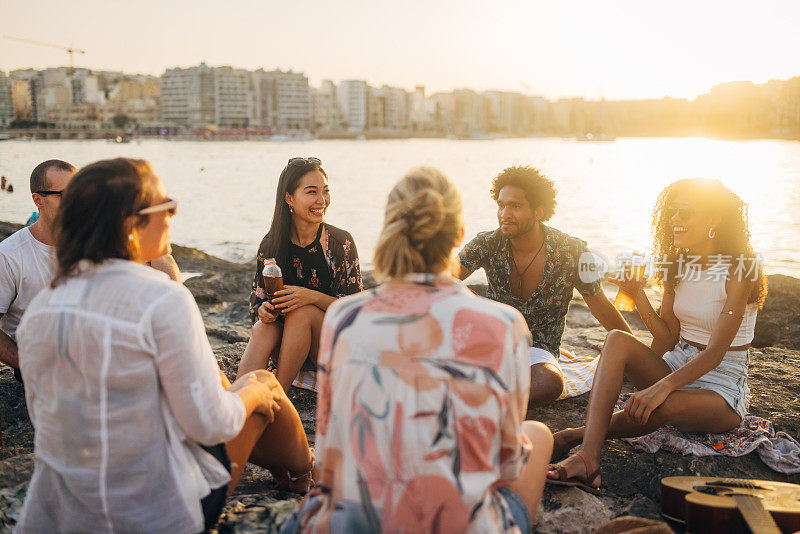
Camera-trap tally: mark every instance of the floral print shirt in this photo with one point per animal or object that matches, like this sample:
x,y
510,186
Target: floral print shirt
x,y
341,257
423,388
545,310
308,267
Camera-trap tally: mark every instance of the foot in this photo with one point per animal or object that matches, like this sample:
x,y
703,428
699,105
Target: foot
x,y
298,483
563,442
580,467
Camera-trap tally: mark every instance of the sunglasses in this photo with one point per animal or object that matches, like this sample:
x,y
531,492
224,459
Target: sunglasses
x,y
46,192
684,213
168,205
301,162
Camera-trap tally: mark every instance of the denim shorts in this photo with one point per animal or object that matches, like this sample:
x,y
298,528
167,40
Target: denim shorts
x,y
519,510
728,379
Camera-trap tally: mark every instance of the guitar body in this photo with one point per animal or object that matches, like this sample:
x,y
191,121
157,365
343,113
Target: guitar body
x,y
712,504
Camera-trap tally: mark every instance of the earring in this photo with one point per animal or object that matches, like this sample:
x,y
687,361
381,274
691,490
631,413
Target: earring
x,y
290,209
130,237
711,233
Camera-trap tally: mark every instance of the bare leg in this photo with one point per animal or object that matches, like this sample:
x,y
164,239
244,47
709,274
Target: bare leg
x,y
280,444
264,339
622,355
300,340
547,384
530,483
688,410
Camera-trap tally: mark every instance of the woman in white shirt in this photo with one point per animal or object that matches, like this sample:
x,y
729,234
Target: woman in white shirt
x,y
694,375
136,428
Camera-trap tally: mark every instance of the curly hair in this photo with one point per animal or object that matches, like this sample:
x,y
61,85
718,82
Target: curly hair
x,y
539,189
732,237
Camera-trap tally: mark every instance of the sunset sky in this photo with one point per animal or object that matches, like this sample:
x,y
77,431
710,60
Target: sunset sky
x,y
619,49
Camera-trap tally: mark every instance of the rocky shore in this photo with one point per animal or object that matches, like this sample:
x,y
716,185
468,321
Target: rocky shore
x,y
631,479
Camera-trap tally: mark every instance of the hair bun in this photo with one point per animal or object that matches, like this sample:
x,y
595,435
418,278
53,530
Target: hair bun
x,y
425,215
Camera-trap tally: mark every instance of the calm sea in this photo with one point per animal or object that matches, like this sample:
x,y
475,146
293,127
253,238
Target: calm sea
x,y
605,190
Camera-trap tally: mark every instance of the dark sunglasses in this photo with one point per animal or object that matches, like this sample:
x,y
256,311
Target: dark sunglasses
x,y
168,205
301,162
684,213
46,192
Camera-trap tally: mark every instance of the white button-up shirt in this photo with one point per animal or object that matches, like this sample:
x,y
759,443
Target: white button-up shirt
x,y
122,387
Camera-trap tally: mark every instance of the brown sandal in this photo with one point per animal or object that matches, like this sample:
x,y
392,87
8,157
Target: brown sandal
x,y
300,483
576,481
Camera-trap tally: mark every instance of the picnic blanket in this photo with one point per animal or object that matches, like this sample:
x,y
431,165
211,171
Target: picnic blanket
x,y
778,450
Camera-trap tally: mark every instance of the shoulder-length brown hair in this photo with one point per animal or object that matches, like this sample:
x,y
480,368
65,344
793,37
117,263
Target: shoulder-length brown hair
x,y
90,224
731,240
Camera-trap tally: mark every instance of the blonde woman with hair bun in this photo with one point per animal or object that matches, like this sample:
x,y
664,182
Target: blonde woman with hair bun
x,y
423,391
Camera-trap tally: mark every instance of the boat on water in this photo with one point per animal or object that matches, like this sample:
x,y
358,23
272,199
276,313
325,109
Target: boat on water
x,y
119,139
4,137
595,138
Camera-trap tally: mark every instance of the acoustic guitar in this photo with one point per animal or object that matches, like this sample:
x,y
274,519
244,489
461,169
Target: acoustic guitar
x,y
730,505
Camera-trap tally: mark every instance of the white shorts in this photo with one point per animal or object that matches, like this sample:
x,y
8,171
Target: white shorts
x,y
538,355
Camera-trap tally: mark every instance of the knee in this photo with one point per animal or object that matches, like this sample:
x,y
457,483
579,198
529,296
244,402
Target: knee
x,y
262,330
538,433
547,384
300,315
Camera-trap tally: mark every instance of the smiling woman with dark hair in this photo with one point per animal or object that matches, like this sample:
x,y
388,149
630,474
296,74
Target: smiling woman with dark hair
x,y
319,264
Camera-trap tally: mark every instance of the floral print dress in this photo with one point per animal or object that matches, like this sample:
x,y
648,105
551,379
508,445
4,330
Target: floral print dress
x,y
423,388
330,265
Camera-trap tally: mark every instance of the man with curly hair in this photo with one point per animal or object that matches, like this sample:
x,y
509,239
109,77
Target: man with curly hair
x,y
535,268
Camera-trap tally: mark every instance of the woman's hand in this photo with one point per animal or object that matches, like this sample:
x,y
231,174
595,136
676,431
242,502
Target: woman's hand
x,y
292,297
265,313
266,390
629,287
641,404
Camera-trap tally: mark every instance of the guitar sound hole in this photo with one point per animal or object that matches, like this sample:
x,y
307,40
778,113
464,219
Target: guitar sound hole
x,y
712,490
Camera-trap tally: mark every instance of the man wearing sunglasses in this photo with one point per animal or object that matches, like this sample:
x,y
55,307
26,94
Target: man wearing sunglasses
x,y
28,257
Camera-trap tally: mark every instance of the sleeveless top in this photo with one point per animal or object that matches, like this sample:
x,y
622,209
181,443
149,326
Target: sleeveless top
x,y
699,299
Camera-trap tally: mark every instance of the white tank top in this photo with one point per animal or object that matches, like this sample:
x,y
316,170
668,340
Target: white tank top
x,y
699,298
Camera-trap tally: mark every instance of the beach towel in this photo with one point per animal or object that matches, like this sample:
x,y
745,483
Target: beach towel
x,y
578,373
778,450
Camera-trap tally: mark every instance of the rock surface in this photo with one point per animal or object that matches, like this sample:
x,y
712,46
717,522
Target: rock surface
x,y
630,478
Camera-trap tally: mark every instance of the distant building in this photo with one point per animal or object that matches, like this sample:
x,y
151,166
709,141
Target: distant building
x,y
325,107
282,101
203,96
469,113
352,96
6,100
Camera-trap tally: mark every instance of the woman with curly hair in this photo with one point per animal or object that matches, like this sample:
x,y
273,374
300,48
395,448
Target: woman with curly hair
x,y
694,375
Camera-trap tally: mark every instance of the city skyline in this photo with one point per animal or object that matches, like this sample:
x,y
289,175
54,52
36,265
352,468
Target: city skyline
x,y
585,50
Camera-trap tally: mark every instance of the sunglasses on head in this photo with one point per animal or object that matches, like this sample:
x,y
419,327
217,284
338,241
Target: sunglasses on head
x,y
684,213
301,162
168,205
46,192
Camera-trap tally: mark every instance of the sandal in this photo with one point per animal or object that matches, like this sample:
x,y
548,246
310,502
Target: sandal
x,y
300,483
576,481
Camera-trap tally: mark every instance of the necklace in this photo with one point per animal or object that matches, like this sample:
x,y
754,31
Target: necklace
x,y
516,267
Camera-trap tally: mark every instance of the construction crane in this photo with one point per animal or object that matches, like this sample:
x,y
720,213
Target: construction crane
x,y
69,49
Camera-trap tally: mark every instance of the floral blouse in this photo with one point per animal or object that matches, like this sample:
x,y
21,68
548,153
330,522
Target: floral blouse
x,y
545,310
336,247
423,388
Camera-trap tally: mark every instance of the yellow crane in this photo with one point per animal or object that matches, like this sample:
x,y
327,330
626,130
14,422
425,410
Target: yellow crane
x,y
69,49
